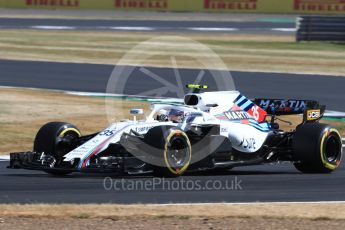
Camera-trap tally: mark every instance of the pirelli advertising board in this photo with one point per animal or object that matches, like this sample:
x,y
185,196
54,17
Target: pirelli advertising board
x,y
256,6
319,6
277,6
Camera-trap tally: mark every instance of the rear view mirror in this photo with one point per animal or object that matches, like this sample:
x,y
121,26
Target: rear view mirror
x,y
136,111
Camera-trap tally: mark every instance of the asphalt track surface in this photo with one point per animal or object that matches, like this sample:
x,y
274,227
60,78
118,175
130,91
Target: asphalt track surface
x,y
268,183
254,184
329,90
254,27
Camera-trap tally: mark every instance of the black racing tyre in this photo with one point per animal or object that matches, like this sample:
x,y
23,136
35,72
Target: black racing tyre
x,y
172,149
153,137
49,140
317,148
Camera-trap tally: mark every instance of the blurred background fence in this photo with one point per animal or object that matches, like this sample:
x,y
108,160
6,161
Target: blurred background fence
x,y
321,28
256,6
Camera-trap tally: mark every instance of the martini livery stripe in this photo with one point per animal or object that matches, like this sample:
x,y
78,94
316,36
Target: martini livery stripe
x,y
243,103
247,105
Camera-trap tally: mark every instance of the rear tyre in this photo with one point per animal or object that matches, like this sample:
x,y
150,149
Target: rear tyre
x,y
172,150
317,148
51,139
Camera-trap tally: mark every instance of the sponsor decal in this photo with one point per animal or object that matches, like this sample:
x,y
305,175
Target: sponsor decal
x,y
224,130
248,143
95,141
143,129
318,5
80,151
238,115
283,105
313,114
62,3
148,4
230,4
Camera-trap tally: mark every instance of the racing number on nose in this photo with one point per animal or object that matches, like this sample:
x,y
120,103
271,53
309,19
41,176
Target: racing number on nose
x,y
107,133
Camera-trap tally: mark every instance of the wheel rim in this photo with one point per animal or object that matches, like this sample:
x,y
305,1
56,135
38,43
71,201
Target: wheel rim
x,y
177,152
332,148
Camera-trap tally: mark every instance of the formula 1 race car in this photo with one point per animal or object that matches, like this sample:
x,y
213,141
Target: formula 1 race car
x,y
211,130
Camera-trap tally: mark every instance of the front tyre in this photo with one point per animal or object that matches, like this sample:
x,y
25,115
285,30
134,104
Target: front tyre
x,y
56,139
317,148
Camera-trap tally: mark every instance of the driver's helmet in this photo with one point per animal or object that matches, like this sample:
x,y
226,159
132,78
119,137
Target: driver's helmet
x,y
176,115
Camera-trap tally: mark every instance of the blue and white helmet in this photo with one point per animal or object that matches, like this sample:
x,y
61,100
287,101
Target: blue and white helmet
x,y
176,115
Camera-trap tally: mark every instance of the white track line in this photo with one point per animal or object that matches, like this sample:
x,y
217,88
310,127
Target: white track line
x,y
128,28
144,28
212,29
4,158
330,113
250,203
43,27
285,29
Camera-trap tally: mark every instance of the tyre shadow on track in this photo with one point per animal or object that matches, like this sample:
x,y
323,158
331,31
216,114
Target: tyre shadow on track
x,y
242,173
189,174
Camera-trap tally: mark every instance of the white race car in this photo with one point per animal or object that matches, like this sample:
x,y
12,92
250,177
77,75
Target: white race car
x,y
211,130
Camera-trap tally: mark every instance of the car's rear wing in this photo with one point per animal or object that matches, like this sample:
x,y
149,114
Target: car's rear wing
x,y
310,108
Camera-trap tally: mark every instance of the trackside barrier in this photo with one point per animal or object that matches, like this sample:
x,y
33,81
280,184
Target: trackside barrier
x,y
321,28
248,6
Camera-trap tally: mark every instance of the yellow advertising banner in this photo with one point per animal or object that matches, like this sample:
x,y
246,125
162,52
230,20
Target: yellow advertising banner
x,y
248,6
